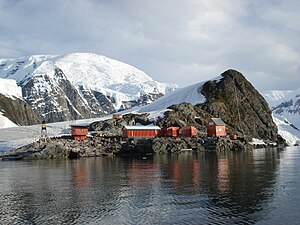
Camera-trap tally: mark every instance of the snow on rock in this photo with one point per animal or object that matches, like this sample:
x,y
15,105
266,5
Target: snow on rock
x,y
5,122
9,88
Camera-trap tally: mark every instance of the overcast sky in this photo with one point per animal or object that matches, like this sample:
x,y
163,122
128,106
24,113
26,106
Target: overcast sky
x,y
179,41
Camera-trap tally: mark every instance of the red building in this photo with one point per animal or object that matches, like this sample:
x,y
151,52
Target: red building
x,y
216,128
141,131
189,131
79,132
117,116
170,132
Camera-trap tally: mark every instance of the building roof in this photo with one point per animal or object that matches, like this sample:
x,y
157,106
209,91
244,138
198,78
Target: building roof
x,y
218,121
79,126
142,127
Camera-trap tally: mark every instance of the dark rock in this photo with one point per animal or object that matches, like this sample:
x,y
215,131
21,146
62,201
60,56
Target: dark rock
x,y
240,105
18,111
233,99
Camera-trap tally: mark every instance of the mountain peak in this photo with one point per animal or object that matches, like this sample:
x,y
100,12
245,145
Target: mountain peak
x,y
97,83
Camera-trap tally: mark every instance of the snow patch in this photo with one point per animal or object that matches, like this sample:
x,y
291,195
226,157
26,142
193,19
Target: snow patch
x,y
256,141
5,122
10,89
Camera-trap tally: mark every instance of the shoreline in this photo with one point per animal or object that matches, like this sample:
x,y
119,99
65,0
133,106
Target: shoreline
x,y
98,146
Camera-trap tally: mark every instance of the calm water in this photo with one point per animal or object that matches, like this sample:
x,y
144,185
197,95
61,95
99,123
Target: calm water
x,y
261,187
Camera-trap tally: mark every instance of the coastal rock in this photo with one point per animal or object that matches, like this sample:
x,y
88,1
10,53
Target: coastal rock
x,y
240,105
233,99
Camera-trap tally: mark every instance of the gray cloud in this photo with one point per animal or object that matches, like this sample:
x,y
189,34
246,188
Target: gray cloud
x,y
172,40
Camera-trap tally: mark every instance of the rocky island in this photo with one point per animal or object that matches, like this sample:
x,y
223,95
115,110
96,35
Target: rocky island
x,y
232,98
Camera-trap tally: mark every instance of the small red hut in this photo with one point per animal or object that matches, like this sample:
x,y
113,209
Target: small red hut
x,y
141,131
79,132
117,116
170,132
216,128
189,131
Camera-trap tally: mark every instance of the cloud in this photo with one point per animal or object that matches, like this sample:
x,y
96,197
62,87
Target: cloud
x,y
173,41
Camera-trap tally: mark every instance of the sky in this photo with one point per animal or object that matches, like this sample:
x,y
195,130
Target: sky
x,y
174,41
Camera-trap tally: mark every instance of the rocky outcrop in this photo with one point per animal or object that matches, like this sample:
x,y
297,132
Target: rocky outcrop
x,y
233,99
113,127
185,114
240,105
58,148
18,111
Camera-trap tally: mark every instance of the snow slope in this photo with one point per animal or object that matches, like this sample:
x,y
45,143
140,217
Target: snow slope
x,y
28,134
289,133
190,94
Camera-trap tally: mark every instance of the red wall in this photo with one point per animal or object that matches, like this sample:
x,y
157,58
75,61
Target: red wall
x,y
170,132
140,133
80,138
189,131
79,131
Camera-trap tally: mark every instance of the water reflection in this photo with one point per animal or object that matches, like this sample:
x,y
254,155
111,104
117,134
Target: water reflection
x,y
236,184
205,188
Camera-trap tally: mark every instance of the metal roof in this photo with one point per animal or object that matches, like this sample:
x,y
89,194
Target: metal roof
x,y
142,127
218,121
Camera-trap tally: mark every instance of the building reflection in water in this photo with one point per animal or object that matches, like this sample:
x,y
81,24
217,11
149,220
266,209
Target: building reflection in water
x,y
234,182
223,176
81,174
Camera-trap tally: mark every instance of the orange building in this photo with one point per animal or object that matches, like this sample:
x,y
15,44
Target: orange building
x,y
216,128
79,132
141,131
170,132
189,131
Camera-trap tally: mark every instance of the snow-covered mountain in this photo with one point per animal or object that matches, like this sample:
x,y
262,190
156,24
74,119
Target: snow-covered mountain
x,y
274,97
80,85
285,106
